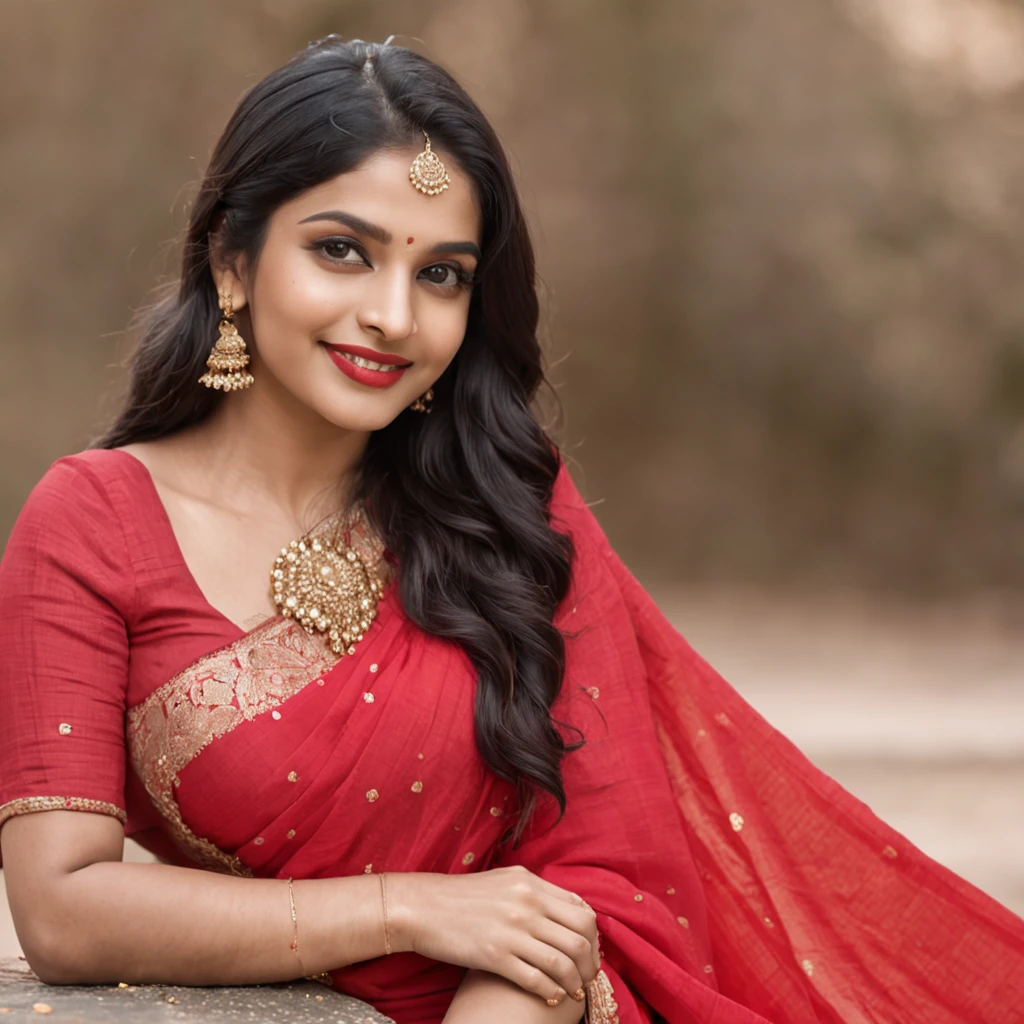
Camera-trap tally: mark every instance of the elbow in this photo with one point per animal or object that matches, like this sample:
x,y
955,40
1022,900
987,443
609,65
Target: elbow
x,y
53,958
50,972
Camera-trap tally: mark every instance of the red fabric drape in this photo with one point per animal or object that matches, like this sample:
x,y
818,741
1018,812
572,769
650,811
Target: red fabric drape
x,y
816,910
734,882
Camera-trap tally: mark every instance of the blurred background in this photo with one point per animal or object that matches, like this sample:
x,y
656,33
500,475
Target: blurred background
x,y
781,249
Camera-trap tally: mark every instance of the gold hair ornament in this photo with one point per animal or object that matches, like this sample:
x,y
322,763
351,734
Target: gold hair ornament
x,y
427,173
226,366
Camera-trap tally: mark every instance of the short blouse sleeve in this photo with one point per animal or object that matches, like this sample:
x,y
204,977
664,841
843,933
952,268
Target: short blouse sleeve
x,y
66,591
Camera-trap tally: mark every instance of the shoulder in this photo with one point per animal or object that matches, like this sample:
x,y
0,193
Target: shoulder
x,y
68,547
570,512
597,566
78,501
102,468
97,469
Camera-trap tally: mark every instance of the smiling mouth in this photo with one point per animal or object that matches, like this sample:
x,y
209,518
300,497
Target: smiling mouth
x,y
368,364
363,362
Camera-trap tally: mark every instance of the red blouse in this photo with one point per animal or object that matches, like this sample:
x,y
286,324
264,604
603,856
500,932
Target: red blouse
x,y
98,609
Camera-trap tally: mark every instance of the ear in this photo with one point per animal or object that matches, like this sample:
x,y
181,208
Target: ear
x,y
229,274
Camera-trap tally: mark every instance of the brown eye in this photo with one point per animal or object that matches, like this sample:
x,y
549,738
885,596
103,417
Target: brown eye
x,y
339,250
442,274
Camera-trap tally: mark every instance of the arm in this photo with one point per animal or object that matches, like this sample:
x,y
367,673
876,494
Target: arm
x,y
84,917
67,606
483,998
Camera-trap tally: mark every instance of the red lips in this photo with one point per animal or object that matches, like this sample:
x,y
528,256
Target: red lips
x,y
368,353
362,374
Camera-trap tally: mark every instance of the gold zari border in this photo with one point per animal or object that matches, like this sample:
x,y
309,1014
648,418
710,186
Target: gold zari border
x,y
28,804
601,1005
220,691
178,720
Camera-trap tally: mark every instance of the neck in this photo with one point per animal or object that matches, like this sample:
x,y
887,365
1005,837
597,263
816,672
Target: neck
x,y
264,451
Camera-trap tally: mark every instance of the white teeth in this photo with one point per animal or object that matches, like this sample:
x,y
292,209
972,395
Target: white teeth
x,y
366,364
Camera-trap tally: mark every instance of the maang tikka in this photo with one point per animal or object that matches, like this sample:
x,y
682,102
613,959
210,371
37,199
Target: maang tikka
x,y
228,360
427,173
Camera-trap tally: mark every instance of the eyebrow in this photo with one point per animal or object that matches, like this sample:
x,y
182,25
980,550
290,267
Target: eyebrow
x,y
379,234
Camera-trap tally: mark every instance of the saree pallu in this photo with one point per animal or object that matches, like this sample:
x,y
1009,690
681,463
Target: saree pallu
x,y
734,883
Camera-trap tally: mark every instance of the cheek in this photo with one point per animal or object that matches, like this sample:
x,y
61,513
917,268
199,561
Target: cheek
x,y
291,289
443,325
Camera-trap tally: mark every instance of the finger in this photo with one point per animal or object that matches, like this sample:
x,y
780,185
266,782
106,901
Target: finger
x,y
580,919
566,895
551,962
533,980
579,948
527,881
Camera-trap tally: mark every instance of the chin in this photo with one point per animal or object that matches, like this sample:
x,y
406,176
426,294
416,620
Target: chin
x,y
365,419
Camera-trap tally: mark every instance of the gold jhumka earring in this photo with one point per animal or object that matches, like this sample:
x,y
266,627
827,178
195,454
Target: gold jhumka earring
x,y
424,402
427,173
228,360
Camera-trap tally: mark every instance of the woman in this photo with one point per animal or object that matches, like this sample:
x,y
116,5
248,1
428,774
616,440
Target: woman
x,y
324,614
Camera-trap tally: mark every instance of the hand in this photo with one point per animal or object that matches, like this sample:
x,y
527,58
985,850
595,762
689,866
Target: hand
x,y
507,921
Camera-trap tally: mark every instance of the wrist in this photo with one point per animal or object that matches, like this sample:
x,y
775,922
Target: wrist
x,y
405,909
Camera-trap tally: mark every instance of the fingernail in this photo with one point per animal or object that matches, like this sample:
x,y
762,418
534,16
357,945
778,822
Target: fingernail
x,y
579,995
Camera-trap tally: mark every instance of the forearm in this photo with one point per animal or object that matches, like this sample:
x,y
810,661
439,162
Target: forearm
x,y
114,921
484,998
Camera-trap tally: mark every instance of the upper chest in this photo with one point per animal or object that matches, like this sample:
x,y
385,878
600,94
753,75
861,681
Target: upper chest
x,y
226,547
230,556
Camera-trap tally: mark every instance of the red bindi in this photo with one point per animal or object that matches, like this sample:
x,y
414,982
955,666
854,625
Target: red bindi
x,y
410,240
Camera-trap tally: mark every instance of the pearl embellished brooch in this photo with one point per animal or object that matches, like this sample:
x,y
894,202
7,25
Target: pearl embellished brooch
x,y
327,588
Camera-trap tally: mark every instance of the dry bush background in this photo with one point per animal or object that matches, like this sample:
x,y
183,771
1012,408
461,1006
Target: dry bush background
x,y
780,247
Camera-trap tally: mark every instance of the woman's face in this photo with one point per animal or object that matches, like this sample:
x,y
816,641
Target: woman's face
x,y
363,264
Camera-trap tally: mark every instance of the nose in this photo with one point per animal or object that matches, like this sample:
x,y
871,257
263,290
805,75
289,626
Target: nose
x,y
386,308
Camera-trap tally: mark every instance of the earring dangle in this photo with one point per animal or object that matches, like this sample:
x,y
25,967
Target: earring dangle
x,y
228,359
424,402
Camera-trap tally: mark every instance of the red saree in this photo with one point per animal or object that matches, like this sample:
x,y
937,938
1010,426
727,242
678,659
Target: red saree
x,y
734,882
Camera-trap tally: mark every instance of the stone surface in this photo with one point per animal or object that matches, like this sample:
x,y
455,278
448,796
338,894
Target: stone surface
x,y
21,991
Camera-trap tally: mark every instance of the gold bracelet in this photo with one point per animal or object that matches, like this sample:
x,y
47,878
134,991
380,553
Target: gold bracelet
x,y
295,928
384,902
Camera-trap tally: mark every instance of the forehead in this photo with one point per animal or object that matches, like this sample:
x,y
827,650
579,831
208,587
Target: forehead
x,y
379,190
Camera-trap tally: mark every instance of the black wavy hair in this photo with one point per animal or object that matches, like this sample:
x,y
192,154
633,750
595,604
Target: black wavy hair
x,y
460,497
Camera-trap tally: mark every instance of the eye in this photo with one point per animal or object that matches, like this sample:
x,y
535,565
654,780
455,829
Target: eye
x,y
339,250
444,275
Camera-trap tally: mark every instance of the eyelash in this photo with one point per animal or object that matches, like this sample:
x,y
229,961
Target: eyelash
x,y
464,278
